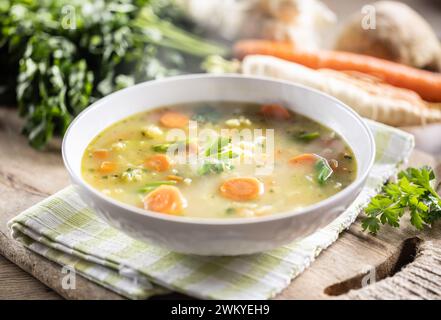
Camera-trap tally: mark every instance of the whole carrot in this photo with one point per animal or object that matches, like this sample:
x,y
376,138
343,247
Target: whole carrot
x,y
427,84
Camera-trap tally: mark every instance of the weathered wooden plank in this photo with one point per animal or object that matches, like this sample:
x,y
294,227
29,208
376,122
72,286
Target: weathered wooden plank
x,y
51,274
18,284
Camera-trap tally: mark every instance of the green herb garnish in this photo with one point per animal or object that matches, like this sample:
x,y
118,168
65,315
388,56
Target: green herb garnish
x,y
154,184
162,148
219,149
230,211
324,170
308,136
218,157
214,167
412,193
217,146
227,155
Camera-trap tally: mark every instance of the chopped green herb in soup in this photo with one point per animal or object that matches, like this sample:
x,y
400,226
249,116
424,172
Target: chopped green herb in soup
x,y
219,160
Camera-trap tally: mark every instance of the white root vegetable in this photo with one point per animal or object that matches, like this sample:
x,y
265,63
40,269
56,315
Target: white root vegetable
x,y
400,34
305,22
225,18
365,94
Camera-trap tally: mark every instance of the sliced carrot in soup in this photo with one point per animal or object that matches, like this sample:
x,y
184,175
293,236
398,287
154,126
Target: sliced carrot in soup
x,y
275,111
107,167
306,158
100,153
165,199
241,189
158,162
174,120
173,177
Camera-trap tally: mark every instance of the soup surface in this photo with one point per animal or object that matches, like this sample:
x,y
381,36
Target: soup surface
x,y
219,160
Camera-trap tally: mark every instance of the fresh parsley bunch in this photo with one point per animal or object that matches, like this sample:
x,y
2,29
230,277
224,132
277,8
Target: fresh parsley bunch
x,y
412,193
58,56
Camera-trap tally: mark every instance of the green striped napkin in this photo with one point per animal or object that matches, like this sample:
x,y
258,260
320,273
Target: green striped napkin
x,y
63,229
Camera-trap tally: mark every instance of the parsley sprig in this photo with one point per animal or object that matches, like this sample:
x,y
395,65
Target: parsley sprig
x,y
412,193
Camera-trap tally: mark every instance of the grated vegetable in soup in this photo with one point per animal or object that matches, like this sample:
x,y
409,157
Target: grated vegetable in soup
x,y
219,160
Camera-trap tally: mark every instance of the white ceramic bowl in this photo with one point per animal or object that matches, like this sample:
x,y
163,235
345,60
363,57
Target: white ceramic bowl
x,y
231,236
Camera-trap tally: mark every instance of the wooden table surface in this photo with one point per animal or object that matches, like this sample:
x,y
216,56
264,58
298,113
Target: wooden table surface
x,y
27,176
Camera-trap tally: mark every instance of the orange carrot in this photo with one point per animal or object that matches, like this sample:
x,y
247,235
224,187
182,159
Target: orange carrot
x,y
158,162
174,120
165,199
275,111
305,158
107,167
241,189
100,153
427,84
173,177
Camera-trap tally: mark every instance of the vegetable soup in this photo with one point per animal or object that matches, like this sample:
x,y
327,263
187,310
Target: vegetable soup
x,y
219,160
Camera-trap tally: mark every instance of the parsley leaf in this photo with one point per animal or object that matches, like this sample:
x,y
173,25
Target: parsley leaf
x,y
412,193
371,223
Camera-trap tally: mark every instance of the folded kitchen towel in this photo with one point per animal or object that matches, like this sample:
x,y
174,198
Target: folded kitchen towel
x,y
63,229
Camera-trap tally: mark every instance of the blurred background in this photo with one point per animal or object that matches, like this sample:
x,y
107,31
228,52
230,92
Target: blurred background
x,y
429,9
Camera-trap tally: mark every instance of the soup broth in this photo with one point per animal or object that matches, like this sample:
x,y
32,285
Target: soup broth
x,y
257,160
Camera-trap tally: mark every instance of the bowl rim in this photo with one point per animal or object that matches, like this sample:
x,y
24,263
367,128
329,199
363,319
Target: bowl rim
x,y
352,187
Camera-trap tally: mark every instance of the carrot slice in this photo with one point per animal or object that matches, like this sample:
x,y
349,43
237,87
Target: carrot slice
x,y
165,199
174,120
173,177
275,111
100,153
107,167
241,189
158,162
308,158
